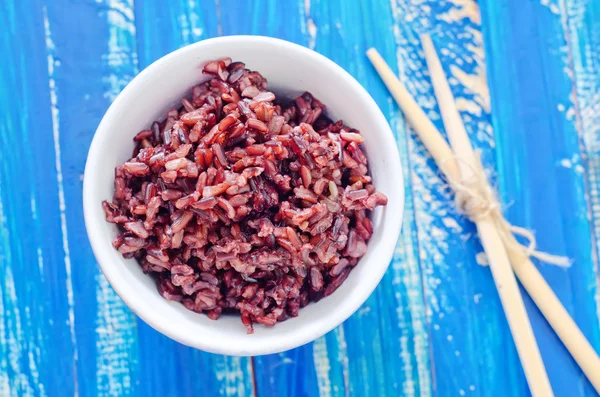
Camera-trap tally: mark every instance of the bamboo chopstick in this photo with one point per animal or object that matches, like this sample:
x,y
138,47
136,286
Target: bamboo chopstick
x,y
557,316
440,151
530,277
490,237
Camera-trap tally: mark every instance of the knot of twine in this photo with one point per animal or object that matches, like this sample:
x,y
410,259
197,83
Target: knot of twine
x,y
475,199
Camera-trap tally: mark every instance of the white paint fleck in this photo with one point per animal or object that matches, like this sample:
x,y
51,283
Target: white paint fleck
x,y
364,310
477,298
482,259
194,19
121,35
231,374
452,224
33,355
461,392
184,28
449,338
408,386
566,163
322,366
40,260
33,208
552,5
460,10
5,388
476,83
13,341
472,387
475,45
312,33
311,26
189,24
115,337
468,105
343,356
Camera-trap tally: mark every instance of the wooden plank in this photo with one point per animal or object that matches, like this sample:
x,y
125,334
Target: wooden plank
x,y
341,367
37,340
84,78
165,29
170,368
284,20
324,366
386,340
292,373
472,351
583,35
531,83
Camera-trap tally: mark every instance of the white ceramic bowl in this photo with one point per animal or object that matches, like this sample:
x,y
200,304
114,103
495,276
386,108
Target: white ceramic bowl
x,y
290,70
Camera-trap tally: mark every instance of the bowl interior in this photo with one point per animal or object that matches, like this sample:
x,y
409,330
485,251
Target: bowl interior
x,y
290,70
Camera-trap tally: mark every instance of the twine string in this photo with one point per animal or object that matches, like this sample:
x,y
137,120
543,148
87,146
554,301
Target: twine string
x,y
475,199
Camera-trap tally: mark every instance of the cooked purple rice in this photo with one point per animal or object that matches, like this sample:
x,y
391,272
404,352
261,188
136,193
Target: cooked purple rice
x,y
238,203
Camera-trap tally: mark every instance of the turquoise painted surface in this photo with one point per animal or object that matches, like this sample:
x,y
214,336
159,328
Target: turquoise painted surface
x,y
526,75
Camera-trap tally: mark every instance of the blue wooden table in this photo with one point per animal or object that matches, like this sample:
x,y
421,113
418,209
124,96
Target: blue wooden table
x,y
526,74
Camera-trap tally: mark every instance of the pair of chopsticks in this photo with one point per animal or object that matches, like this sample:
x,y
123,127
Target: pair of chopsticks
x,y
504,263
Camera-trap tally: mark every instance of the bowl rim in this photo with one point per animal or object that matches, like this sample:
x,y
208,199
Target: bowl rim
x,y
152,318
